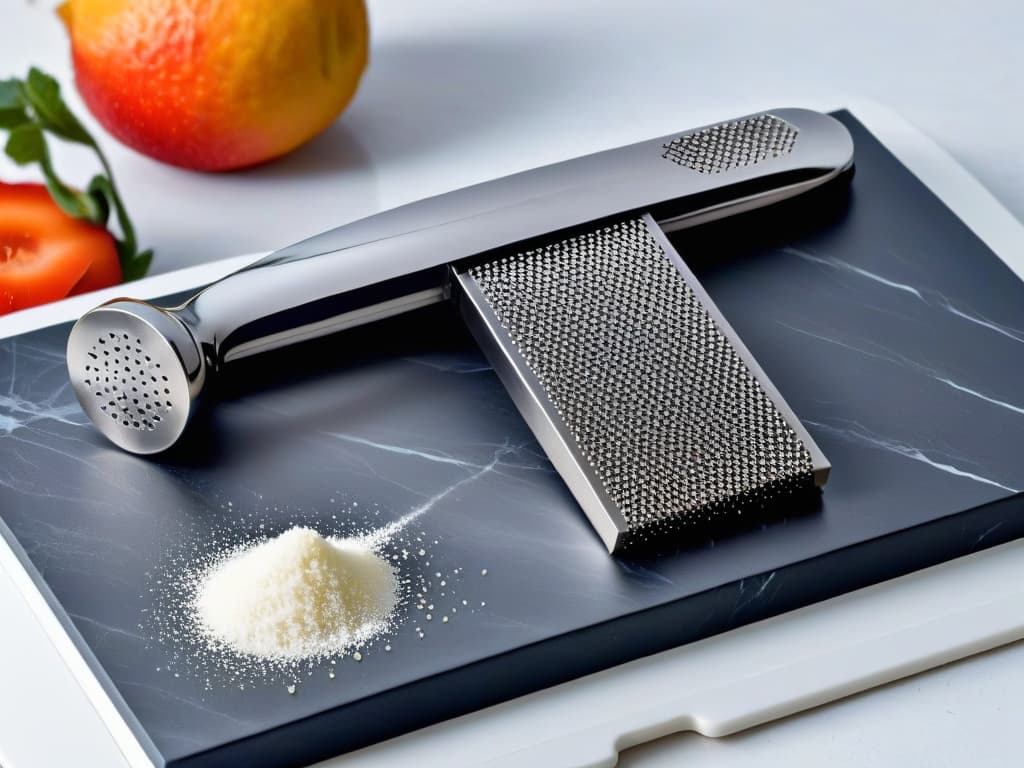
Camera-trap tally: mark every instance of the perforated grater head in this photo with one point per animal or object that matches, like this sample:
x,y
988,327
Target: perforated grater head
x,y
137,372
733,145
641,394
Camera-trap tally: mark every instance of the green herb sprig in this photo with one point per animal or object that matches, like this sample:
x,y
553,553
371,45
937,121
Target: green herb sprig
x,y
33,107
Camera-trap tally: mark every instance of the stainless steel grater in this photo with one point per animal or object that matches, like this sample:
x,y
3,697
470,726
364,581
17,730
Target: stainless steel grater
x,y
645,400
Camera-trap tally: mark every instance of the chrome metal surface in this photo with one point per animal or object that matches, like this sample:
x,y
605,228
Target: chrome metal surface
x,y
540,413
137,372
399,260
643,397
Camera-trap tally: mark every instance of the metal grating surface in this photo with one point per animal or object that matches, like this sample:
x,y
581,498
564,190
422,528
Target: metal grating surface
x,y
659,403
732,145
130,385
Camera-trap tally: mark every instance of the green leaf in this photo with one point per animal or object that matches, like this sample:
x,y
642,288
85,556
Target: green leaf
x,y
102,202
42,93
81,205
133,265
71,201
137,266
10,95
26,144
102,185
12,117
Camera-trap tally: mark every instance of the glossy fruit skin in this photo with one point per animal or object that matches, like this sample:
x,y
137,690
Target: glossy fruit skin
x,y
215,86
47,255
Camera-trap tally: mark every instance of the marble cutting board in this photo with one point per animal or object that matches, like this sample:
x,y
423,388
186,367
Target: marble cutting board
x,y
888,326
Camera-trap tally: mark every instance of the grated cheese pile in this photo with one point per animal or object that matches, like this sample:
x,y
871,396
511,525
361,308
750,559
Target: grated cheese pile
x,y
297,596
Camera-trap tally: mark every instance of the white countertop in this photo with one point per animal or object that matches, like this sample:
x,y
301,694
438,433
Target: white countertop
x,y
459,92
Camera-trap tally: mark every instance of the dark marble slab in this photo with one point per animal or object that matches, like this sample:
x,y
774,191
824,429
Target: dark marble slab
x,y
889,327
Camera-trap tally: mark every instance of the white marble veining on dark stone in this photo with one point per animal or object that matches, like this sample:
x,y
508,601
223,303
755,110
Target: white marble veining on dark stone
x,y
892,331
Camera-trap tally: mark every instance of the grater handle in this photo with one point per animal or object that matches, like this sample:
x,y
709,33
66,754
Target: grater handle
x,y
397,261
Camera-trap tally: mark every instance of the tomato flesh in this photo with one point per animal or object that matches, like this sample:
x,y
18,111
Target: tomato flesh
x,y
45,254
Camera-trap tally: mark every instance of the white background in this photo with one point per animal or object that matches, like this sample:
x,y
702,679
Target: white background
x,y
459,92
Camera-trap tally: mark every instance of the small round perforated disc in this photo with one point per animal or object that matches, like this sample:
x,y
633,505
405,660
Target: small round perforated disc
x,y
129,377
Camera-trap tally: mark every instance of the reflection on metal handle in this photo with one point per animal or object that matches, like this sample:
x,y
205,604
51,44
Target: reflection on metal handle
x,y
396,261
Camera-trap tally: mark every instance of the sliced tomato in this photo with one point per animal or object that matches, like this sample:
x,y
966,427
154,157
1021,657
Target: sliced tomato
x,y
45,254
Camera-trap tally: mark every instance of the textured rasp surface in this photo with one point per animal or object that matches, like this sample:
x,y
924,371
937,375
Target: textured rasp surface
x,y
659,402
732,145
